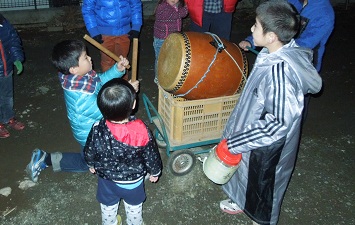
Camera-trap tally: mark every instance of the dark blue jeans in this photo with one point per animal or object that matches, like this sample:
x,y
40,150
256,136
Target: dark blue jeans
x,y
69,161
6,99
216,23
157,43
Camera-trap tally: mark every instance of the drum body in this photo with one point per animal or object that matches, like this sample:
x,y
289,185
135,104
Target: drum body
x,y
190,66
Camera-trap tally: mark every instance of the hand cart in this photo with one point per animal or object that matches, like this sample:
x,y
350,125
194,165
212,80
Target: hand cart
x,y
183,126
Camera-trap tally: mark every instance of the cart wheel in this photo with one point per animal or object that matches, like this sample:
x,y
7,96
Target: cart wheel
x,y
181,162
160,141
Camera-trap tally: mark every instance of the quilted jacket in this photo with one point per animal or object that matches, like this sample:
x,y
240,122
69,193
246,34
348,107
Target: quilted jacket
x,y
82,109
10,47
112,17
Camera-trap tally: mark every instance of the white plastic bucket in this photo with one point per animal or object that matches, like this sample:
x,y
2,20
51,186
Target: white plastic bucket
x,y
220,165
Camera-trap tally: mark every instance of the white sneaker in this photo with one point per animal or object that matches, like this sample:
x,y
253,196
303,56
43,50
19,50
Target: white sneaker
x,y
230,207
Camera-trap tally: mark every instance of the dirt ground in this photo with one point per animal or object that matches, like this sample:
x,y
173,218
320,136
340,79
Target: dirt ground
x,y
320,192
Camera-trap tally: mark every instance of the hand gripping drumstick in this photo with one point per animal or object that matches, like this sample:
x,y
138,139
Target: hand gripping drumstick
x,y
103,49
134,59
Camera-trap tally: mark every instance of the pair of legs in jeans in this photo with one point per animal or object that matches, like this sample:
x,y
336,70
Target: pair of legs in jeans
x,y
7,114
67,162
217,23
157,43
6,99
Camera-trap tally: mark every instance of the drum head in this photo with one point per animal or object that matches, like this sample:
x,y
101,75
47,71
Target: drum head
x,y
170,61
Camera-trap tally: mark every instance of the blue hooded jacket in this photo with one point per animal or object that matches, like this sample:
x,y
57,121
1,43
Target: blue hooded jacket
x,y
320,16
10,47
82,109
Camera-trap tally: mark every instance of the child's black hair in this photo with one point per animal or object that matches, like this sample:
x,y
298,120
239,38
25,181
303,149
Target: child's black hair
x,y
115,99
66,54
280,17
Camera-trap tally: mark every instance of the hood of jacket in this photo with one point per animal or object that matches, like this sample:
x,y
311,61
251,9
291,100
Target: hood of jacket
x,y
300,60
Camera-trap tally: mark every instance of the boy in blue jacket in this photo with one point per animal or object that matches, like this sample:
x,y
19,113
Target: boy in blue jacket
x,y
11,54
81,85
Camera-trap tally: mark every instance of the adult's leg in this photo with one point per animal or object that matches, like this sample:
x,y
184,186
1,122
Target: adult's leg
x,y
122,44
106,61
221,25
6,99
306,100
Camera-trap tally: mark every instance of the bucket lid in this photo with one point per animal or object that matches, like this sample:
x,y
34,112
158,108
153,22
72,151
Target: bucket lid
x,y
227,157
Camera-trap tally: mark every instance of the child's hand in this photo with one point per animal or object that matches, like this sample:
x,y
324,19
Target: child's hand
x,y
135,85
92,170
121,65
244,44
19,66
153,179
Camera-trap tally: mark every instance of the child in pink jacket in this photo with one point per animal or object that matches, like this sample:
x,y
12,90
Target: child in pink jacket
x,y
168,19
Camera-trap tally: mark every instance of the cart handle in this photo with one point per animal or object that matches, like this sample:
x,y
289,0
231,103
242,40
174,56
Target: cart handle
x,y
149,106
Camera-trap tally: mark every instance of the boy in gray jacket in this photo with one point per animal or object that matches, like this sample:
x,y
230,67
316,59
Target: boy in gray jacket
x,y
265,125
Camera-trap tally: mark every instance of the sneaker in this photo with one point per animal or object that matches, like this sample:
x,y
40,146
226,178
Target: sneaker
x,y
37,164
230,207
15,124
4,133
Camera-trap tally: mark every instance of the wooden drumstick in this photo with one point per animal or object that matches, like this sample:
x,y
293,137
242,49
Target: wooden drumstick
x,y
134,59
103,49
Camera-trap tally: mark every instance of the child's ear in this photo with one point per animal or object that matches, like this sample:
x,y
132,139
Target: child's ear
x,y
272,37
73,69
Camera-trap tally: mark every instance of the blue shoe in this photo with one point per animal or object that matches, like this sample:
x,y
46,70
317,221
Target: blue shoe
x,y
37,164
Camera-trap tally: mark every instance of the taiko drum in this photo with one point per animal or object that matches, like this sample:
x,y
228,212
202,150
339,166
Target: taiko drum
x,y
201,65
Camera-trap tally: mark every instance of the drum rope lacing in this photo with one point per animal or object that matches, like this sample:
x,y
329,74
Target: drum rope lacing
x,y
218,49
